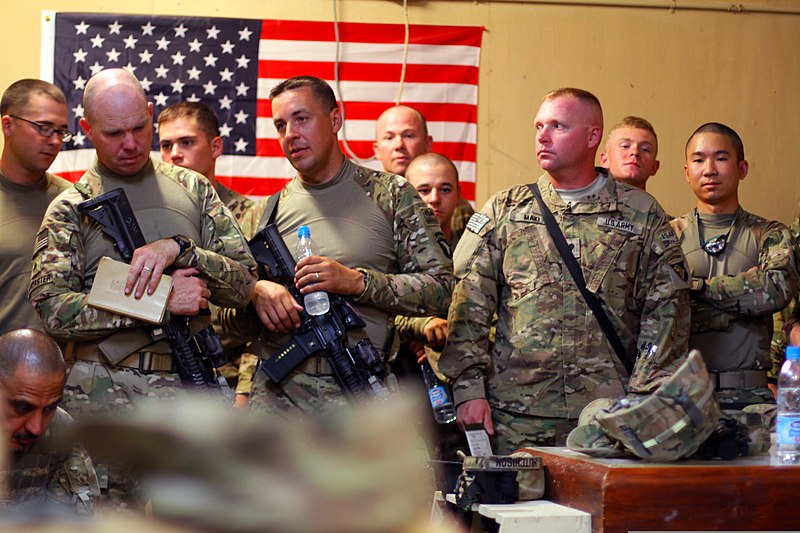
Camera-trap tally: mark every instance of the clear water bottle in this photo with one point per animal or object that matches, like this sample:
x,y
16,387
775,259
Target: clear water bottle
x,y
443,409
787,427
315,303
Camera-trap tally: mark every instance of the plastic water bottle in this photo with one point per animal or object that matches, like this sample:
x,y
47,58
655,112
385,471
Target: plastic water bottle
x,y
315,303
787,427
443,410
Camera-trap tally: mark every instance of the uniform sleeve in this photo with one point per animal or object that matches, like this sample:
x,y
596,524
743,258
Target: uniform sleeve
x,y
75,482
466,360
223,257
777,347
777,351
411,327
424,280
764,289
665,316
706,317
57,288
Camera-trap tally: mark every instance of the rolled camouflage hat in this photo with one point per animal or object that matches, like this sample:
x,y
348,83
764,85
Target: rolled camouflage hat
x,y
589,437
666,425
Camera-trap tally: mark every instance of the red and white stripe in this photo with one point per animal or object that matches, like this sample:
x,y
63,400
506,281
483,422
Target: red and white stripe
x,y
441,81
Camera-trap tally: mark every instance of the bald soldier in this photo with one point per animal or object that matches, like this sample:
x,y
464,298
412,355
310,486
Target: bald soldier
x,y
34,118
118,359
551,357
402,135
41,473
631,152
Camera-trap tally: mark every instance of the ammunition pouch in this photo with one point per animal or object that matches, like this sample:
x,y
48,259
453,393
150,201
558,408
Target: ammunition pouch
x,y
145,362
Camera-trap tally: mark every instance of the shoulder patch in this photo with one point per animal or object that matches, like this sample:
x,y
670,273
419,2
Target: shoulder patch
x,y
41,242
476,222
677,264
428,217
620,224
664,240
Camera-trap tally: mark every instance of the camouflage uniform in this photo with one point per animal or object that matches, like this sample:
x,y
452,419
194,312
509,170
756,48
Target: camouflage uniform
x,y
550,357
416,279
732,316
47,475
22,209
68,250
460,217
239,206
777,348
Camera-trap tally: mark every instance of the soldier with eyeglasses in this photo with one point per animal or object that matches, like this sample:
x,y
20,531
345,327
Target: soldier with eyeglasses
x,y
34,118
743,269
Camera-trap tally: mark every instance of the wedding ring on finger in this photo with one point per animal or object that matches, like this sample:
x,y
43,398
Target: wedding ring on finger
x,y
147,269
317,274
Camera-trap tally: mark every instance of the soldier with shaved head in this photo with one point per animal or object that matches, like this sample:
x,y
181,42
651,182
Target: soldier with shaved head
x,y
32,375
115,358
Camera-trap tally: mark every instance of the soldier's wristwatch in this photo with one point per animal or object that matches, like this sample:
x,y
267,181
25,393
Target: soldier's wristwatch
x,y
183,242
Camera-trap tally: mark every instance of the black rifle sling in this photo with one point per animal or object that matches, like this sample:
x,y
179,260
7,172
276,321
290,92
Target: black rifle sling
x,y
577,275
268,217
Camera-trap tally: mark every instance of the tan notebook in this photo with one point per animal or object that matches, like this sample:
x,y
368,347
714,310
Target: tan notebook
x,y
108,293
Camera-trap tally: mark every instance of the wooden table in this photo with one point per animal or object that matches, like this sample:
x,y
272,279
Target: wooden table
x,y
623,495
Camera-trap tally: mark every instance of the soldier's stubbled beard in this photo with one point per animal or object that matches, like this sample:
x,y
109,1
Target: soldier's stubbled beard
x,y
23,435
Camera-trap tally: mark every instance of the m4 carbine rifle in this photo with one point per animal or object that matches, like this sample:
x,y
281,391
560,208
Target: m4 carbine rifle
x,y
359,370
197,356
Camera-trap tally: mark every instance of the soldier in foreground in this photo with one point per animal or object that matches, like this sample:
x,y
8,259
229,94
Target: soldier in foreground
x,y
41,474
551,357
380,246
34,117
743,269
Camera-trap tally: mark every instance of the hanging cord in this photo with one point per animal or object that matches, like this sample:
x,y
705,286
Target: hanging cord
x,y
337,81
405,54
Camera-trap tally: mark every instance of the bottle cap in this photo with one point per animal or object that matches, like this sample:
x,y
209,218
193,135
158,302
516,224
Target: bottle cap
x,y
793,353
303,231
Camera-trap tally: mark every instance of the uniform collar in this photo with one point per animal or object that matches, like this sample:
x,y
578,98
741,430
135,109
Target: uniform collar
x,y
606,200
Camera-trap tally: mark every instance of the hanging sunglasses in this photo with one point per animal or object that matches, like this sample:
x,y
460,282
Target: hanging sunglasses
x,y
715,245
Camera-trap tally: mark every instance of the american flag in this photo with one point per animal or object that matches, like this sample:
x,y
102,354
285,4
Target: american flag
x,y
231,64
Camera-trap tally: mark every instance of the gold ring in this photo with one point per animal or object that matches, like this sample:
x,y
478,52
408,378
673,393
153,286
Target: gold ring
x,y
317,273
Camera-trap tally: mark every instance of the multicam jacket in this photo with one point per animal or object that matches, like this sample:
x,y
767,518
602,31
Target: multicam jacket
x,y
167,200
550,357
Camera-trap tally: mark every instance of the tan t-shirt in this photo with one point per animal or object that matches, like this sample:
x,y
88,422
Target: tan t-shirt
x,y
21,210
